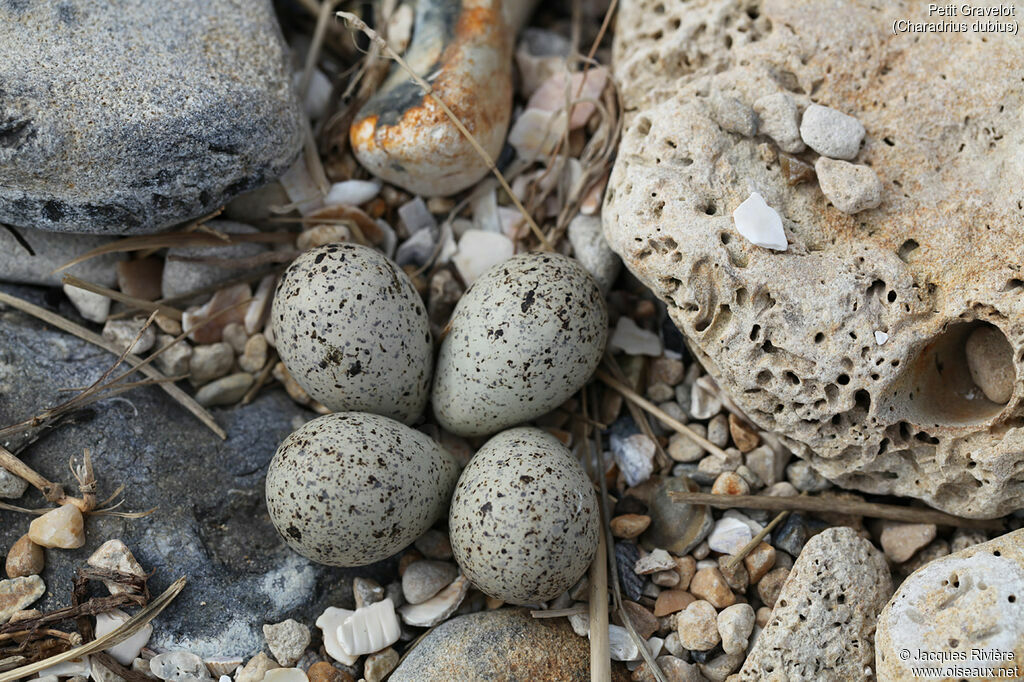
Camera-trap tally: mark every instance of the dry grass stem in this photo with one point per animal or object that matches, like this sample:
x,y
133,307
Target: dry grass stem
x,y
137,303
731,562
600,656
834,505
663,460
558,613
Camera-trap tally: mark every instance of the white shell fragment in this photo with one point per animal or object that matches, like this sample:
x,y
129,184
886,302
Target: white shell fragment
x,y
330,622
438,607
370,629
881,337
351,192
760,224
620,645
285,675
73,668
128,650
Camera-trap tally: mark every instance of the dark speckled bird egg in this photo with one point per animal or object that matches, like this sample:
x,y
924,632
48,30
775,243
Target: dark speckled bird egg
x,y
353,332
351,488
523,519
525,337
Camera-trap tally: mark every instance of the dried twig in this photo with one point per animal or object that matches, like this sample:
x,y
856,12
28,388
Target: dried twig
x,y
558,613
664,461
428,90
138,303
731,562
600,656
808,503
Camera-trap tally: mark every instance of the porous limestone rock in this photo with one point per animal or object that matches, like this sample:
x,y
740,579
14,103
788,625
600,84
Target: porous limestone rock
x,y
823,622
130,117
791,336
968,605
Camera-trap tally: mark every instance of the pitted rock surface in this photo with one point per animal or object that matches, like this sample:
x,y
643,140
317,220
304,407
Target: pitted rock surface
x,y
791,335
132,116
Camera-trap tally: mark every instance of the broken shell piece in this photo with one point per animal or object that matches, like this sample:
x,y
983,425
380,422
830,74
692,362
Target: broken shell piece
x,y
285,675
194,320
62,527
881,337
128,650
583,88
479,250
256,313
301,189
760,224
536,133
403,136
114,555
370,629
437,608
353,192
330,623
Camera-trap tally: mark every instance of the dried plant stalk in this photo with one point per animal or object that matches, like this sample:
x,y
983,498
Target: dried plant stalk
x,y
138,303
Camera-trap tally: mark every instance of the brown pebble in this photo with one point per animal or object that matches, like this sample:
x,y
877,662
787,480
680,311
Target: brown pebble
x,y
671,601
25,558
666,371
769,587
141,278
794,170
737,577
409,557
745,438
665,578
760,560
762,616
709,584
645,622
901,540
629,526
686,567
730,483
325,672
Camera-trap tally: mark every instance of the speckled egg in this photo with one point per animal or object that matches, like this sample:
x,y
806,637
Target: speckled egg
x,y
525,337
352,488
523,520
352,330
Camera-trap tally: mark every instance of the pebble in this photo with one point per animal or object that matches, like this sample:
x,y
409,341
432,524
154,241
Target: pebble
x,y
254,355
417,249
759,561
683,448
709,584
730,483
686,566
62,527
114,555
256,669
781,489
319,235
123,332
732,115
990,362
11,487
218,666
768,463
931,552
287,641
718,430
795,170
880,338
17,593
783,559
479,251
626,556
705,402
769,587
91,306
677,528
258,309
745,438
629,526
697,627
205,323
851,188
434,544
630,339
226,390
234,335
592,250
901,540
736,577
353,192
735,624
635,457
127,650
183,276
671,601
141,277
643,621
666,370
719,668
25,558
582,87
176,361
658,560
424,579
367,592
665,578
285,675
760,224
322,671
210,361
179,666
964,538
379,665
729,536
439,607
806,479
536,133
763,615
793,534
674,668
831,133
780,120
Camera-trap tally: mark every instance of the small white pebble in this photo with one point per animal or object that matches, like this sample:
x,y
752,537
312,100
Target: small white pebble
x,y
760,224
351,192
881,337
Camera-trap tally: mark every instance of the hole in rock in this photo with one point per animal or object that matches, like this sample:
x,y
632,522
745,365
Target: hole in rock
x,y
936,387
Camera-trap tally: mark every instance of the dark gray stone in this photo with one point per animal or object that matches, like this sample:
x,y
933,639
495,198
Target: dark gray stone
x,y
211,523
128,117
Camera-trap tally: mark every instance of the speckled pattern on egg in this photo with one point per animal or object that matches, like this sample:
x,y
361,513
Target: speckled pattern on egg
x,y
352,330
523,519
525,337
349,489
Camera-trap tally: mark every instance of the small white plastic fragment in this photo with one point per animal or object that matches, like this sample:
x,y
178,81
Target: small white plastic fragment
x,y
881,337
330,622
128,650
760,224
370,629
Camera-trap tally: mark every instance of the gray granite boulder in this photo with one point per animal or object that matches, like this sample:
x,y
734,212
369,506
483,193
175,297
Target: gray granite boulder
x,y
210,524
129,117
